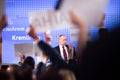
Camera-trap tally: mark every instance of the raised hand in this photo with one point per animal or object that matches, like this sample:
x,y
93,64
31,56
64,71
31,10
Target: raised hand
x,y
32,33
76,19
47,38
101,25
71,51
3,22
83,33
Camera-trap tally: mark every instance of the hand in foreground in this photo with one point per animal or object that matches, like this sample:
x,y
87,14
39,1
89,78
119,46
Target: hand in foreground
x,y
101,25
22,57
3,22
76,19
71,51
47,38
32,33
83,33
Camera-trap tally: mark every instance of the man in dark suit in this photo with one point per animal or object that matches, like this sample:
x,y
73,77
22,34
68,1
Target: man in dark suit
x,y
67,52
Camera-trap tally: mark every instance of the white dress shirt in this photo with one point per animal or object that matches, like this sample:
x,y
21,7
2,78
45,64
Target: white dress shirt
x,y
61,51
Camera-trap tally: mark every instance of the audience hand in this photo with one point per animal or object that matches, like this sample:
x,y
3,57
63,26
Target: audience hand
x,y
76,19
47,38
33,34
3,22
83,33
101,25
22,57
71,49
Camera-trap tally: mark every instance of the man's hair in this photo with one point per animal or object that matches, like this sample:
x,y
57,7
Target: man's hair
x,y
61,35
29,61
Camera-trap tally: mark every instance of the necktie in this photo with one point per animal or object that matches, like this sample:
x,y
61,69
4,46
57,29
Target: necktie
x,y
64,53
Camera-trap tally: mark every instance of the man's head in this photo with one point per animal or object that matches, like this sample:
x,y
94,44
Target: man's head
x,y
62,40
12,68
29,61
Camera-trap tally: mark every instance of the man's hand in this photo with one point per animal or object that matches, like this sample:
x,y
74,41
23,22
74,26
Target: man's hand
x,y
76,19
101,25
71,51
22,57
32,33
47,38
70,47
83,33
3,22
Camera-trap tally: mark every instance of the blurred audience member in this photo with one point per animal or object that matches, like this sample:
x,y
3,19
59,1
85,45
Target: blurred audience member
x,y
5,76
29,61
23,73
67,75
12,68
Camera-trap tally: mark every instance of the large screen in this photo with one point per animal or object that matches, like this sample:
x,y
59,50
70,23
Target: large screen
x,y
17,12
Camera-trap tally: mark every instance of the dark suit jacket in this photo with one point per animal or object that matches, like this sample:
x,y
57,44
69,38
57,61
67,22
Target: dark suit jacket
x,y
57,49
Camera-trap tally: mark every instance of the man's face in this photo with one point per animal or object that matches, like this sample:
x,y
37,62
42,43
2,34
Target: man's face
x,y
62,40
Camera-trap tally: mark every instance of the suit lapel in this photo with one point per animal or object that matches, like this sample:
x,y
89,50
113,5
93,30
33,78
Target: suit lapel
x,y
58,48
